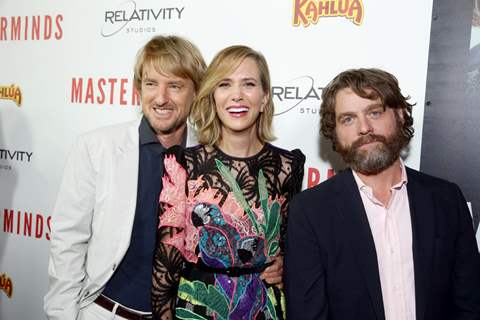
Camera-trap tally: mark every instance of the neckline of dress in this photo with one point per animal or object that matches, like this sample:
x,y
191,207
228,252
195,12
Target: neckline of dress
x,y
262,150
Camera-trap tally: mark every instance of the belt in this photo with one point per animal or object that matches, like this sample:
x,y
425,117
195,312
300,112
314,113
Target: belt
x,y
232,271
121,311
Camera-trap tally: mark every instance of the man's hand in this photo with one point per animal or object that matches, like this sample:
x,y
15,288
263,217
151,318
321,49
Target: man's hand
x,y
274,273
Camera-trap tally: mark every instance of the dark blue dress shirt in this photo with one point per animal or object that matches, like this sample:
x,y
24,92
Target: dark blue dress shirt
x,y
132,281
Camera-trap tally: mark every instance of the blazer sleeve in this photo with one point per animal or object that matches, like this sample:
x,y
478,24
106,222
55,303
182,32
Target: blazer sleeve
x,y
71,231
304,269
466,275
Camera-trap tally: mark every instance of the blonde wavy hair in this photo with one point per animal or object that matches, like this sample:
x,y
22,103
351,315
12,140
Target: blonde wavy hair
x,y
203,115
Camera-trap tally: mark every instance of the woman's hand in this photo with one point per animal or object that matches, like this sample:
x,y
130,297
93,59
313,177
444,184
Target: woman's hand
x,y
274,273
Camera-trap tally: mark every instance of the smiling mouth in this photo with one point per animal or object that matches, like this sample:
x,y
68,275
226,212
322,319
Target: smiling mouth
x,y
237,111
162,111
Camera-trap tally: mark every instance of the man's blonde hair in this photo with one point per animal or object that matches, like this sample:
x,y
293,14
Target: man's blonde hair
x,y
170,55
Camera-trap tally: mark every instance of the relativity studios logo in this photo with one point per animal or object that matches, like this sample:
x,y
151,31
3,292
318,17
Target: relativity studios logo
x,y
6,285
306,12
131,19
11,92
300,94
15,155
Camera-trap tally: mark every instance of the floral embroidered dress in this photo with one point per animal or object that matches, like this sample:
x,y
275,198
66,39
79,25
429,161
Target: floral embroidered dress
x,y
226,217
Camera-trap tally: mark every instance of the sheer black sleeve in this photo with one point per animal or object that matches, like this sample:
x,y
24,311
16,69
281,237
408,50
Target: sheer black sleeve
x,y
298,164
167,267
292,164
168,261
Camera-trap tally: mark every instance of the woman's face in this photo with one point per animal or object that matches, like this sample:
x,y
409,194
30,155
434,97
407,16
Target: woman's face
x,y
239,99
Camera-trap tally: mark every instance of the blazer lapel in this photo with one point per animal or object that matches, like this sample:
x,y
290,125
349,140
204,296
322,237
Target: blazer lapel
x,y
358,230
125,177
423,233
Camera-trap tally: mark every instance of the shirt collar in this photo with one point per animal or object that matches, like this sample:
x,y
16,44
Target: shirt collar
x,y
148,136
146,133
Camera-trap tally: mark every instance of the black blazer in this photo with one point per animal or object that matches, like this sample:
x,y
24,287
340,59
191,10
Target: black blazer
x,y
331,263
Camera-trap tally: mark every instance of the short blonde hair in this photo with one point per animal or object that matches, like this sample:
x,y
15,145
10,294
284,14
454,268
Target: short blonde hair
x,y
203,114
170,55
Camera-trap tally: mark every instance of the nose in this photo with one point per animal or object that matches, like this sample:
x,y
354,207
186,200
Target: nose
x,y
237,93
365,126
161,95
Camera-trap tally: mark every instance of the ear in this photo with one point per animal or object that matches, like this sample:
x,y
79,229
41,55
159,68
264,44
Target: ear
x,y
400,115
265,99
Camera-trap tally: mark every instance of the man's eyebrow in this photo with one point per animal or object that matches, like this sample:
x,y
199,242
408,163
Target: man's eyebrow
x,y
375,106
346,113
367,108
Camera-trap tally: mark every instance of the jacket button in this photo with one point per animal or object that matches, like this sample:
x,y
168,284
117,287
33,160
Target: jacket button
x,y
114,266
86,293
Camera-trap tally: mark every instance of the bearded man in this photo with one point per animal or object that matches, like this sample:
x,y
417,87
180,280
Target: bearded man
x,y
378,240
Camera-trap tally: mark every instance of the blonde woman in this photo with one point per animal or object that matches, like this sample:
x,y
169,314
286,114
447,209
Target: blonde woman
x,y
224,202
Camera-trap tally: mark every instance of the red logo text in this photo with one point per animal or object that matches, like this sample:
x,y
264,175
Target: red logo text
x,y
111,91
26,223
314,177
31,28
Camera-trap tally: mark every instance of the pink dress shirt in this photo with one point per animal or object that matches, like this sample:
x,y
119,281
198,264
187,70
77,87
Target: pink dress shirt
x,y
391,228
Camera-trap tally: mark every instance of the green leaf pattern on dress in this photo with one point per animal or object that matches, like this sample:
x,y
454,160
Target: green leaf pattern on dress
x,y
272,214
198,293
185,314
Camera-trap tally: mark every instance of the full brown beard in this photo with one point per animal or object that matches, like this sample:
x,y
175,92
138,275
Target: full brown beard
x,y
378,158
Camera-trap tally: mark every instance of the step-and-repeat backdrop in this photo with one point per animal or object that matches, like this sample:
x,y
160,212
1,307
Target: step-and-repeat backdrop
x,y
66,68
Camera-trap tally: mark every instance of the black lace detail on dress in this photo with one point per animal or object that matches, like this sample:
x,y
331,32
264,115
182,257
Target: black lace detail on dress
x,y
167,267
282,169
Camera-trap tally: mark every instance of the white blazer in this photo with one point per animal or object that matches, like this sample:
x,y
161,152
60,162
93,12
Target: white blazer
x,y
93,217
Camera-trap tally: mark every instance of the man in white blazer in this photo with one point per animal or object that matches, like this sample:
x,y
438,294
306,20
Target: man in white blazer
x,y
105,217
